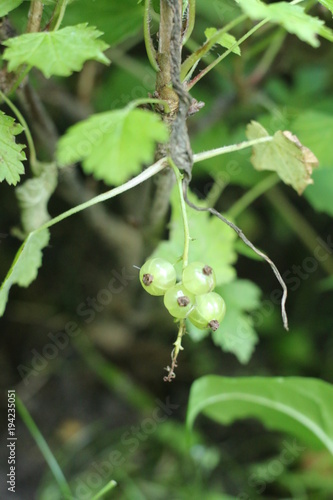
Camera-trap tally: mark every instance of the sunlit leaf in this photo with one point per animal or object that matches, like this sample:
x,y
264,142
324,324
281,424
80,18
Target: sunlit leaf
x,y
113,145
11,154
284,155
302,407
25,266
291,17
225,39
56,52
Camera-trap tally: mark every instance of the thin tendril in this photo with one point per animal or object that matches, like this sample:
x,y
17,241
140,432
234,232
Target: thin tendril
x,y
249,244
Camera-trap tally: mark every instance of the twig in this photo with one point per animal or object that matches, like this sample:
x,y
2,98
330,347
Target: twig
x,y
35,16
143,176
248,243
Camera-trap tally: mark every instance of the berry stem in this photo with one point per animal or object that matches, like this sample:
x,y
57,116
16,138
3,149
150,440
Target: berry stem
x,y
178,347
187,237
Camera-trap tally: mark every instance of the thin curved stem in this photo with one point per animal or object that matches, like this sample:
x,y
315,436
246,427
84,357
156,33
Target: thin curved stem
x,y
146,174
226,53
174,355
20,78
44,449
190,20
150,49
188,64
108,487
187,237
58,15
18,114
211,153
247,242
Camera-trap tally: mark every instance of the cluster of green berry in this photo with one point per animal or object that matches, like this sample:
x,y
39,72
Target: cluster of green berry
x,y
192,298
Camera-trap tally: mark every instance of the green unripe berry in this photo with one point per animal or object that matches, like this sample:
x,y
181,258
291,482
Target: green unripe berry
x,y
157,276
179,301
199,278
208,312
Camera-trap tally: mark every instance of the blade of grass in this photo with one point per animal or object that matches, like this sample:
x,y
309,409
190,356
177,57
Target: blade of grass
x,y
44,449
108,487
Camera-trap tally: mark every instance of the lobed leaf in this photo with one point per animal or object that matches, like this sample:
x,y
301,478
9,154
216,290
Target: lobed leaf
x,y
113,145
291,17
299,406
225,39
284,155
25,266
56,52
11,154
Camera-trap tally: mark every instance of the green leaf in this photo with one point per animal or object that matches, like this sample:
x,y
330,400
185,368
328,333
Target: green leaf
x,y
11,154
225,40
33,197
236,333
56,52
8,5
118,20
320,194
328,4
25,266
113,145
291,17
314,128
284,155
254,8
212,241
299,406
